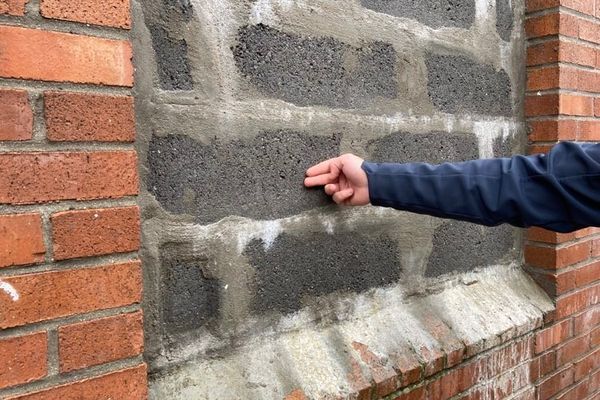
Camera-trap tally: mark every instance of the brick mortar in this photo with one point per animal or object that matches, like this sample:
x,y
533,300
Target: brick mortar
x,y
38,87
54,324
54,25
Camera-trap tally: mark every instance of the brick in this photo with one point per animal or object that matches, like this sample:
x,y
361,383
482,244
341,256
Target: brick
x,y
552,24
577,301
578,392
114,13
555,51
570,104
16,116
89,117
595,383
100,341
552,258
587,320
94,232
543,78
577,53
13,7
572,349
409,367
536,5
127,384
586,365
63,57
539,105
29,178
546,236
597,107
21,240
550,337
583,6
296,394
589,31
588,130
457,380
556,383
579,277
510,356
48,295
23,359
595,337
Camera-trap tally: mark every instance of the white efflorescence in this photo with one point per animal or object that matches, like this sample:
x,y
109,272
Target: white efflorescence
x,y
487,132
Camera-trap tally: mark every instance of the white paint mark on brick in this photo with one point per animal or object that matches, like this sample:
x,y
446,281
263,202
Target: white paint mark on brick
x,y
9,290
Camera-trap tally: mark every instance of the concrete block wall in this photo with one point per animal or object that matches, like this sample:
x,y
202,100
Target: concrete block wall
x,y
255,281
70,279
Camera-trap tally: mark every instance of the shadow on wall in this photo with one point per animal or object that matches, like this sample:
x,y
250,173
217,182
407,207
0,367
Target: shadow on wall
x,y
237,98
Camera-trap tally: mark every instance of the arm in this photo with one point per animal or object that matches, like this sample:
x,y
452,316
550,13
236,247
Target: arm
x,y
558,191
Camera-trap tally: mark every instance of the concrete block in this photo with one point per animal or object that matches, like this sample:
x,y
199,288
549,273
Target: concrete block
x,y
295,269
433,147
189,298
259,178
461,246
435,13
171,58
458,85
504,18
315,71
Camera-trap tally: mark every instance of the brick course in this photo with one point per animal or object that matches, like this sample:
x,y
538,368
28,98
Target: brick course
x,y
89,117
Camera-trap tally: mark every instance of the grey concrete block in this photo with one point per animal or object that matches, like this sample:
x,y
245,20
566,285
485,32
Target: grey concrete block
x,y
294,270
435,13
171,58
433,147
189,298
504,18
458,85
260,178
315,71
461,246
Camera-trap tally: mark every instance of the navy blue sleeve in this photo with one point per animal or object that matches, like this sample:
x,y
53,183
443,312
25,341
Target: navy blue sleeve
x,y
559,191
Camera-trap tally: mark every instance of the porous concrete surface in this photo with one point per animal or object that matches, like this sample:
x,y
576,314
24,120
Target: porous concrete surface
x,y
434,13
481,310
234,100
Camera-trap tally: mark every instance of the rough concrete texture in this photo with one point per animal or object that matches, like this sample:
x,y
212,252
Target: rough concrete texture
x,y
504,18
461,246
434,148
435,13
293,268
171,58
248,274
259,178
486,309
315,71
190,298
458,85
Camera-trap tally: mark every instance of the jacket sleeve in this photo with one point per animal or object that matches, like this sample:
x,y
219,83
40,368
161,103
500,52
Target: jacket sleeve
x,y
559,191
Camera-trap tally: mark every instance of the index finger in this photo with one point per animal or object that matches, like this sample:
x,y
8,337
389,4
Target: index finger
x,y
323,167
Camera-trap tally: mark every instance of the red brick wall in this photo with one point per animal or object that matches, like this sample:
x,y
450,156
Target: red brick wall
x,y
70,281
562,103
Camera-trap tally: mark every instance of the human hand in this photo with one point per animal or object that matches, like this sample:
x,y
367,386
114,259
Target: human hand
x,y
343,178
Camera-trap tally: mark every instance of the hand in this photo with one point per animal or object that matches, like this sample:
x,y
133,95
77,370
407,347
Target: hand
x,y
343,178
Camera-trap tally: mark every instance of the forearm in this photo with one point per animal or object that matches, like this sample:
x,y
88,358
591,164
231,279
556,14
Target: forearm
x,y
559,191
